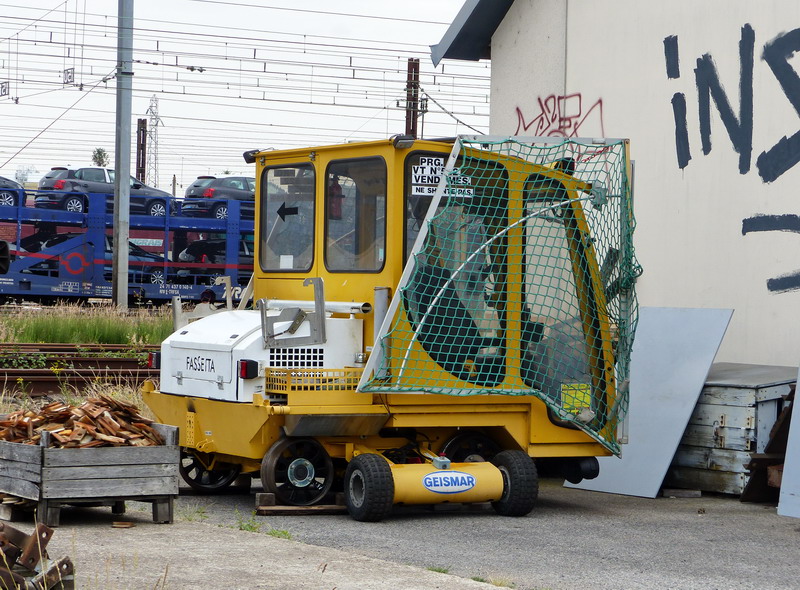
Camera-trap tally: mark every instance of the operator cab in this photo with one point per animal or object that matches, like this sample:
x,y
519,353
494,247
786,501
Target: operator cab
x,y
335,212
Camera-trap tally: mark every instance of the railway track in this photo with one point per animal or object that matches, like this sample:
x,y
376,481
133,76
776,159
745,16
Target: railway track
x,y
38,369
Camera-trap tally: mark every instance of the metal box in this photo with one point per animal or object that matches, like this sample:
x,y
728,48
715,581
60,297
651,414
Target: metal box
x,y
732,420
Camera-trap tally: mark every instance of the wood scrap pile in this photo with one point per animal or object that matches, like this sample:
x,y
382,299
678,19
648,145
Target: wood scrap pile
x,y
97,422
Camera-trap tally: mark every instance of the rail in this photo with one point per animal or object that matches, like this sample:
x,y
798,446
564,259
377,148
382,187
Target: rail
x,y
34,369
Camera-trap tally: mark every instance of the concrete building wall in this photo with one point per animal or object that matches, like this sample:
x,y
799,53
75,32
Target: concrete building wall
x,y
717,182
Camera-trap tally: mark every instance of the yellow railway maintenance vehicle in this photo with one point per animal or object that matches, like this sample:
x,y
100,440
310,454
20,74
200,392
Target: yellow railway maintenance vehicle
x,y
432,319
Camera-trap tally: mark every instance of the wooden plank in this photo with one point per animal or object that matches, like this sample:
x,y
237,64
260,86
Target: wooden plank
x,y
19,487
723,482
300,510
729,416
110,488
110,456
711,459
764,460
727,396
764,394
169,433
17,470
109,471
738,439
775,475
20,452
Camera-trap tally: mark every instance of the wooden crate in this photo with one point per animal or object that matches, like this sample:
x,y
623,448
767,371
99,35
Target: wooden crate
x,y
730,423
98,476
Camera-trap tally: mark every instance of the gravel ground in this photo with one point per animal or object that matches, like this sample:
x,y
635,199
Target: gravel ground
x,y
573,539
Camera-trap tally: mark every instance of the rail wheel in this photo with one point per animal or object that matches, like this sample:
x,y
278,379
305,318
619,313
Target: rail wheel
x,y
298,471
471,446
520,483
196,472
368,488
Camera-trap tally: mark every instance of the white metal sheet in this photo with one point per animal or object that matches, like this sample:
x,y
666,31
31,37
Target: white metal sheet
x,y
789,502
671,357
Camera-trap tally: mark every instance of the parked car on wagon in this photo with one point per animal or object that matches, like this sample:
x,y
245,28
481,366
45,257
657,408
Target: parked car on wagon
x,y
10,192
72,185
207,260
143,266
208,196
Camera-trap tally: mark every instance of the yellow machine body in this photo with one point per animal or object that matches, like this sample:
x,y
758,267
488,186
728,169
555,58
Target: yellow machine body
x,y
322,403
461,482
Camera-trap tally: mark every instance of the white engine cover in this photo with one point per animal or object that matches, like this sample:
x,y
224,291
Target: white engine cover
x,y
201,359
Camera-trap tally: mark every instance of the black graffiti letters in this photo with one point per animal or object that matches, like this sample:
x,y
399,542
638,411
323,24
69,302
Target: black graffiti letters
x,y
786,153
740,130
767,223
771,163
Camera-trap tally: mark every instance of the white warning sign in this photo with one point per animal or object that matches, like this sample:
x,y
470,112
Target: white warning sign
x,y
426,175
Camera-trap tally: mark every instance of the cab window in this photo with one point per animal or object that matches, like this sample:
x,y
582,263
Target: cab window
x,y
287,219
459,286
355,220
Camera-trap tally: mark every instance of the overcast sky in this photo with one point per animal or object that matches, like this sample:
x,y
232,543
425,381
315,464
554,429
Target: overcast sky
x,y
227,76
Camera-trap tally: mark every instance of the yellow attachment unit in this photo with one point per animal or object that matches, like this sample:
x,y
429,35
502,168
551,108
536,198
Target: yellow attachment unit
x,y
284,381
460,482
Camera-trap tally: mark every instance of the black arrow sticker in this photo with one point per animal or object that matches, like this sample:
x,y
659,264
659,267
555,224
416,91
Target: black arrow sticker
x,y
283,211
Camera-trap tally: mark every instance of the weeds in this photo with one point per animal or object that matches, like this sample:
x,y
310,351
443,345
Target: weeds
x,y
279,533
494,581
502,583
13,359
441,570
192,512
251,524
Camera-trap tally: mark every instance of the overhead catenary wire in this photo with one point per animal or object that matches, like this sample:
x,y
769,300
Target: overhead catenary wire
x,y
276,88
35,137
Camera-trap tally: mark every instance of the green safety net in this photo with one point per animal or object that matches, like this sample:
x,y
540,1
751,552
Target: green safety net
x,y
521,282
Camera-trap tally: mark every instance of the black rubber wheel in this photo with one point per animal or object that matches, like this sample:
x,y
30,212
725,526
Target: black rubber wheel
x,y
520,483
220,211
74,204
157,209
194,471
298,471
368,488
470,446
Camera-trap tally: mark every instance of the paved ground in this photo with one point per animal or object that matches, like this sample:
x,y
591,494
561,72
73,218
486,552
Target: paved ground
x,y
574,539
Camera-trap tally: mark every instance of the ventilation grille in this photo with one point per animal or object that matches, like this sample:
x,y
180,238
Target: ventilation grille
x,y
296,358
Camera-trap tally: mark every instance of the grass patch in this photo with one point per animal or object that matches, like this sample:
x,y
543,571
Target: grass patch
x,y
502,583
494,581
247,524
440,570
79,323
279,533
191,512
